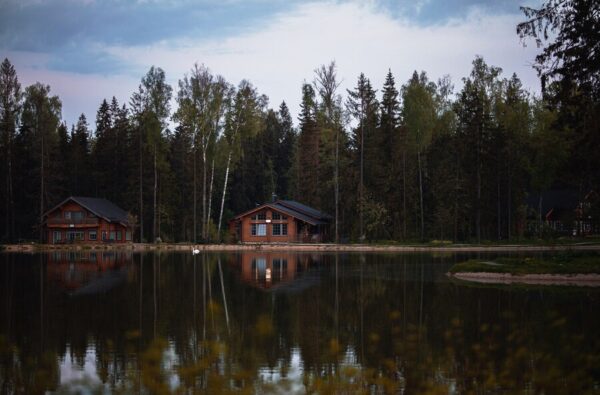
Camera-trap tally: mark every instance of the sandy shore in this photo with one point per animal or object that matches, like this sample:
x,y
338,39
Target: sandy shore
x,y
302,247
580,280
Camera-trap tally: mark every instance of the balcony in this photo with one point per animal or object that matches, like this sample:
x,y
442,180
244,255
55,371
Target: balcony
x,y
69,222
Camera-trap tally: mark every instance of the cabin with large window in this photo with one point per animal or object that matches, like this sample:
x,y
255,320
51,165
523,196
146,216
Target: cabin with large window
x,y
86,220
282,221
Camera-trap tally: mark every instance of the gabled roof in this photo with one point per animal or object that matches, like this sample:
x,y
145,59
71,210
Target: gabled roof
x,y
294,209
99,207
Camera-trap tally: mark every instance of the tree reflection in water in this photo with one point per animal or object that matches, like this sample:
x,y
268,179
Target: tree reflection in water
x,y
285,323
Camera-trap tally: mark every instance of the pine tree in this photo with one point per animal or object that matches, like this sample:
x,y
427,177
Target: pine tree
x,y
363,106
10,105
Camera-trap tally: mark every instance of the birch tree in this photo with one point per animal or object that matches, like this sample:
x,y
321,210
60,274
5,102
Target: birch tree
x,y
242,116
202,100
151,105
419,116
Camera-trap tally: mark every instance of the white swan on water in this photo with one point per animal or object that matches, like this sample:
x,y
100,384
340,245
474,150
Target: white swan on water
x,y
195,251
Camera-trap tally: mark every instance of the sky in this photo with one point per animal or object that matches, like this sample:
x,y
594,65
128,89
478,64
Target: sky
x,y
88,50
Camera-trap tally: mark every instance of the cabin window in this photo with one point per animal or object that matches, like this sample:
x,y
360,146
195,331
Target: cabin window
x,y
92,235
278,216
128,235
118,235
57,236
259,229
74,215
104,235
279,229
260,216
112,235
75,235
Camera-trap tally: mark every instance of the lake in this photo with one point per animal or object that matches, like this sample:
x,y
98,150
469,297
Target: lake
x,y
277,322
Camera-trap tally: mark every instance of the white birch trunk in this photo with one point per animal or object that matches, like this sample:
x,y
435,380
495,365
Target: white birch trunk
x,y
224,192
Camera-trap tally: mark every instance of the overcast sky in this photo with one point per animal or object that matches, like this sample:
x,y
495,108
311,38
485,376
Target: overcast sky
x,y
87,50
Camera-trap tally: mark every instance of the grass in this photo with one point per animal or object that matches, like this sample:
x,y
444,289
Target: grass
x,y
565,263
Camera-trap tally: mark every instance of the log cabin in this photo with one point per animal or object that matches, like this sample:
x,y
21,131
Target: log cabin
x,y
86,220
281,221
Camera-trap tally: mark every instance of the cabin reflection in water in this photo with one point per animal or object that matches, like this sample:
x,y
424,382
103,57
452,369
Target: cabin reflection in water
x,y
88,272
277,271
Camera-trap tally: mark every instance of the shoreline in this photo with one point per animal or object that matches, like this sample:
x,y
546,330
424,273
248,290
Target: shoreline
x,y
576,279
298,247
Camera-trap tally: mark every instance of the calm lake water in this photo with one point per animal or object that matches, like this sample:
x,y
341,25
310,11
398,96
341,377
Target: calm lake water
x,y
107,322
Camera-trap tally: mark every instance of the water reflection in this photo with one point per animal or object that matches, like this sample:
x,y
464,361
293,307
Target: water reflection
x,y
285,323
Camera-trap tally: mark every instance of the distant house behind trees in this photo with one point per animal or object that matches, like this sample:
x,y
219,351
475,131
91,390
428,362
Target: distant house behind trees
x,y
564,212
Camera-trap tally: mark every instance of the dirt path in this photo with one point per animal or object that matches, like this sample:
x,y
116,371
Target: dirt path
x,y
302,247
580,280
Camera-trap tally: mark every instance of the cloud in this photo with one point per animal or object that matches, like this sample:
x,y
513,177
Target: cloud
x,y
280,54
280,51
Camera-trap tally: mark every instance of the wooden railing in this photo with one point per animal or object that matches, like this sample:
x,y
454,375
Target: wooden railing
x,y
69,221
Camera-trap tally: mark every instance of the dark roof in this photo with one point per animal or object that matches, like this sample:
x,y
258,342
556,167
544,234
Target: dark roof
x,y
554,199
297,210
100,207
302,208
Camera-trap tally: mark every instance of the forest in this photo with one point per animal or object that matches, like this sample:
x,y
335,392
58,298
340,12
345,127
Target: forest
x,y
411,160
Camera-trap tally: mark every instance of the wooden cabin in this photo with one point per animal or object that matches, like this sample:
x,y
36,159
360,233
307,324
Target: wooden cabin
x,y
86,220
282,221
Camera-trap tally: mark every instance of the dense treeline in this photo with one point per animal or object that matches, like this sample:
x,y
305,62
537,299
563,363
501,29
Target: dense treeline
x,y
412,161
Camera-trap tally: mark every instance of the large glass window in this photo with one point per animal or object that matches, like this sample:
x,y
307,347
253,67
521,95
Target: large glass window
x,y
259,229
75,235
278,216
92,235
279,229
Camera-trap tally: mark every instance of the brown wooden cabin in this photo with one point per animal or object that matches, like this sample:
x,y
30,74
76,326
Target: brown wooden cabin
x,y
86,220
282,221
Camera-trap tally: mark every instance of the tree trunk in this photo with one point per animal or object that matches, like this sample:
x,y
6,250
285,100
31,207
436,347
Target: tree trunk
x,y
204,147
155,214
509,202
404,193
362,193
141,190
210,191
478,211
41,181
540,215
421,194
498,208
195,209
224,191
337,185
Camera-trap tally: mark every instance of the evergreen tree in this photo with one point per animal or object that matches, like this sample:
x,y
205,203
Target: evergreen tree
x,y
79,159
362,105
37,140
10,106
151,106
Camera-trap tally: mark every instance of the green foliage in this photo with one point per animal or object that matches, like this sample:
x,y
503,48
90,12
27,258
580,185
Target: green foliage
x,y
563,263
415,163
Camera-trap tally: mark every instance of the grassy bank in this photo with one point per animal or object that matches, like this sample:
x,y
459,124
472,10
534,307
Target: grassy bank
x,y
564,263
